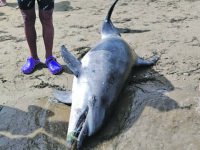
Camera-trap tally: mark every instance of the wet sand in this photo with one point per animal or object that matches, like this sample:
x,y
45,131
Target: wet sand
x,y
159,107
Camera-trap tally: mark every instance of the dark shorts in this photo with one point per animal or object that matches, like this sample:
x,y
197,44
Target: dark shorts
x,y
42,4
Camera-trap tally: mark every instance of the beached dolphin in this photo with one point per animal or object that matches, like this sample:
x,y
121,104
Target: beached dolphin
x,y
98,81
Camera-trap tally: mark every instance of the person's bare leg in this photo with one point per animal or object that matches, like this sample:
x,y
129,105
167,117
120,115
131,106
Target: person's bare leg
x,y
48,30
29,18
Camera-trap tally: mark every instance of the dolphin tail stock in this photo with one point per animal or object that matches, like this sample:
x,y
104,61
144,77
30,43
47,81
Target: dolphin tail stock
x,y
72,62
142,62
108,28
62,96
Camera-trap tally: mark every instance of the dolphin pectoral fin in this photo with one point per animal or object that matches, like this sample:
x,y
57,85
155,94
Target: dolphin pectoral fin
x,y
72,62
108,28
62,96
142,62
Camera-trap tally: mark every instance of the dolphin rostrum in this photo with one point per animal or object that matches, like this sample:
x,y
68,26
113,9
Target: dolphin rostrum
x,y
98,81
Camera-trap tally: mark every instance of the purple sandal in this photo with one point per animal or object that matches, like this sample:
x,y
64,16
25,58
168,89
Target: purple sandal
x,y
53,65
30,65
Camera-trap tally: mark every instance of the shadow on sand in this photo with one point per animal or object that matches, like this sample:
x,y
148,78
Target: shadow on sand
x,y
43,66
127,30
64,6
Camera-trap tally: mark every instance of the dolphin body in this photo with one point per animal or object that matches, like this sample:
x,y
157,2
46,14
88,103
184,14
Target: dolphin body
x,y
98,81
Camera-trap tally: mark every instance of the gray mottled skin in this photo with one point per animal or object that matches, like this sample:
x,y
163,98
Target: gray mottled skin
x,y
98,81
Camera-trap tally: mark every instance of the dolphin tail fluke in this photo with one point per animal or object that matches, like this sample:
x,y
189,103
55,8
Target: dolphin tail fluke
x,y
62,96
72,62
108,28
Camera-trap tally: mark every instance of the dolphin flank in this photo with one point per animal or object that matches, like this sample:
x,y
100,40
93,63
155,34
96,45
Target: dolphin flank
x,y
98,80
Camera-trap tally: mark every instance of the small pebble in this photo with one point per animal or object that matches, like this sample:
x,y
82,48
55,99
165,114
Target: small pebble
x,y
186,74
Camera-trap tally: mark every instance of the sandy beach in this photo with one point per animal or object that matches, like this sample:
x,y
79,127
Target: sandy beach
x,y
158,109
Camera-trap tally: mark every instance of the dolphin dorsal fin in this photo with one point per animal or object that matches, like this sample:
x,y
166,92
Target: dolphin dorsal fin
x,y
72,62
108,29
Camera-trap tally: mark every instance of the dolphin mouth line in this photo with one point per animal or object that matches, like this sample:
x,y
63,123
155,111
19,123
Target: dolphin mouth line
x,y
73,135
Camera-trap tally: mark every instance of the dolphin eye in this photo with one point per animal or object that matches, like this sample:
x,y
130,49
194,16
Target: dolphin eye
x,y
92,101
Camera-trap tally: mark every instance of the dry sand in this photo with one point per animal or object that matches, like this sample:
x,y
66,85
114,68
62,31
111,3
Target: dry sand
x,y
158,109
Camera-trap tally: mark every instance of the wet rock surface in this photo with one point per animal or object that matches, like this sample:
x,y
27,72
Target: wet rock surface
x,y
35,128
